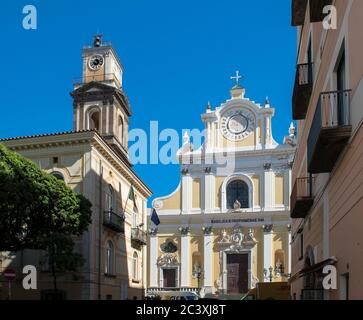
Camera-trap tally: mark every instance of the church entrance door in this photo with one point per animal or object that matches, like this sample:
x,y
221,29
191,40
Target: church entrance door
x,y
237,273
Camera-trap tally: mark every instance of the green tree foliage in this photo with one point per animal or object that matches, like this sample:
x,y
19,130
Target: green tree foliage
x,y
34,205
60,256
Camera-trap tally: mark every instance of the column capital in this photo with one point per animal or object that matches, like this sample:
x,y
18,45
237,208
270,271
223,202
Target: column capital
x,y
267,228
184,231
207,231
153,232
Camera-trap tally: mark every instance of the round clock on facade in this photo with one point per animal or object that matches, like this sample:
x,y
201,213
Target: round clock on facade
x,y
237,125
96,62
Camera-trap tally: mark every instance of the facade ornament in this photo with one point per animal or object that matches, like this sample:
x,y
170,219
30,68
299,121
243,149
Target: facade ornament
x,y
169,247
237,205
158,204
291,138
249,238
167,260
267,228
237,238
187,146
289,227
267,166
184,171
207,230
224,236
183,231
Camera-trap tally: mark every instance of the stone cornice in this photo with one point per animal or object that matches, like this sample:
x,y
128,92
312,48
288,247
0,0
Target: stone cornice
x,y
78,138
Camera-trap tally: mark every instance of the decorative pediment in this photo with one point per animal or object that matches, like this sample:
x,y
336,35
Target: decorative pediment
x,y
237,240
168,260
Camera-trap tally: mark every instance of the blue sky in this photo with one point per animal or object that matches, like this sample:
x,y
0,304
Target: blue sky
x,y
177,55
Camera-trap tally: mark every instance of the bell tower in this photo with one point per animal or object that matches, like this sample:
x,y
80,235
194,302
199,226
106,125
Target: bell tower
x,y
99,102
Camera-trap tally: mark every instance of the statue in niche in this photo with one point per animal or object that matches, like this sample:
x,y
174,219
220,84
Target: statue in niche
x,y
237,205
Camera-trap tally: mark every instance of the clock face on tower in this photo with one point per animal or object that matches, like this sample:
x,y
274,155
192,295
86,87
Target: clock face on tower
x,y
96,62
237,124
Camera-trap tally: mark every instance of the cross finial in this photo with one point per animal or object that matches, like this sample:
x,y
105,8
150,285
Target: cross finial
x,y
237,77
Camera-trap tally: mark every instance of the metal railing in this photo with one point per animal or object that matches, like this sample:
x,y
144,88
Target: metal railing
x,y
303,187
162,289
333,111
335,108
114,221
138,235
304,74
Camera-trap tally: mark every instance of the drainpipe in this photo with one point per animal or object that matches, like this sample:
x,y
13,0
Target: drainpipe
x,y
100,232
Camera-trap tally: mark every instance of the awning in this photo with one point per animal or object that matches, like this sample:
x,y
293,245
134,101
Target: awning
x,y
314,268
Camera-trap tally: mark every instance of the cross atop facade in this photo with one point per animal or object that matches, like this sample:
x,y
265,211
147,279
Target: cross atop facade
x,y
237,77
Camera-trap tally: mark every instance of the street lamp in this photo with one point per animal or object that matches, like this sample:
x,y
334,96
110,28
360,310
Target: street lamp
x,y
276,273
197,274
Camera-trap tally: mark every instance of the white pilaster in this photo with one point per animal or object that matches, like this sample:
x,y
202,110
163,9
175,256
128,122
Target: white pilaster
x,y
186,192
269,190
208,261
209,192
153,261
267,249
185,259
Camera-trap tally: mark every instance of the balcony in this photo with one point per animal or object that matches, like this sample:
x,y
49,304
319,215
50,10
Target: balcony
x,y
298,12
302,197
330,131
114,221
302,90
316,9
138,236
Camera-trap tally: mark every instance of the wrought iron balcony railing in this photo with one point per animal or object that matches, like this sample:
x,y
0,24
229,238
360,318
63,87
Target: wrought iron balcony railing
x,y
138,236
330,131
114,221
302,90
302,197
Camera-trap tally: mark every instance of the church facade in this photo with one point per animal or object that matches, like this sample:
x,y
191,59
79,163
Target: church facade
x,y
93,160
226,226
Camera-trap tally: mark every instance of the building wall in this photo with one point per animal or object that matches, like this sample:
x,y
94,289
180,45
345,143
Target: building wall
x,y
81,164
332,224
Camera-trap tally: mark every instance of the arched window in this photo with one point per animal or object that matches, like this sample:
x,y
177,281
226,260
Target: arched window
x,y
120,129
134,266
109,258
58,175
94,120
109,199
237,190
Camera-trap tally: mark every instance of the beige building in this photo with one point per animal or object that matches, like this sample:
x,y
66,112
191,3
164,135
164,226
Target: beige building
x,y
227,223
327,197
93,160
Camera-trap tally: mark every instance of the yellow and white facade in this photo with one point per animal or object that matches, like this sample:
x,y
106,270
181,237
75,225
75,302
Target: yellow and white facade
x,y
93,160
227,223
